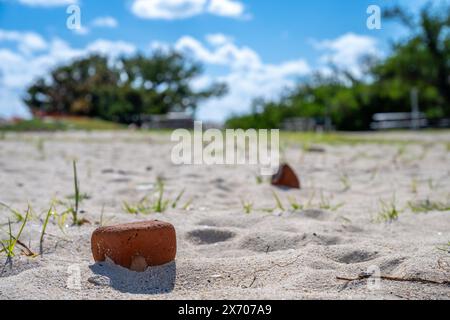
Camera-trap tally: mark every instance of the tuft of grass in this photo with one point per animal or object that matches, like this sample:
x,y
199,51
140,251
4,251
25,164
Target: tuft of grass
x,y
72,207
345,182
259,179
160,205
188,204
432,185
401,151
325,203
77,192
178,198
414,186
61,124
9,245
445,248
295,205
278,201
17,215
428,206
143,206
340,139
154,204
247,206
40,146
389,211
44,228
101,216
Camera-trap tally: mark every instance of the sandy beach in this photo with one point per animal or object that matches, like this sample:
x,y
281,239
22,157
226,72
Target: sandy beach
x,y
334,227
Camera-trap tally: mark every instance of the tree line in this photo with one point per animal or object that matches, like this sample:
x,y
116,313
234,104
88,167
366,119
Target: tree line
x,y
420,61
130,89
124,90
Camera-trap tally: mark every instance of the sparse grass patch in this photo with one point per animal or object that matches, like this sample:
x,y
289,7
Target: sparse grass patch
x,y
178,198
432,184
61,124
445,248
259,179
9,245
188,205
325,203
428,206
295,205
40,147
247,206
17,215
279,204
414,185
72,207
50,213
309,138
388,211
401,150
345,182
155,203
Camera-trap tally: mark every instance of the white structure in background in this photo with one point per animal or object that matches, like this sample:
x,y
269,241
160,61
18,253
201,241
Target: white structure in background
x,y
414,120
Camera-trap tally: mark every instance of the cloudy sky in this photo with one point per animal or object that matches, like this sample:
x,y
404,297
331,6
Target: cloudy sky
x,y
258,47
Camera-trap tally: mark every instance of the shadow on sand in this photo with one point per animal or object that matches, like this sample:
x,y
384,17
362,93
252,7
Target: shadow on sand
x,y
155,280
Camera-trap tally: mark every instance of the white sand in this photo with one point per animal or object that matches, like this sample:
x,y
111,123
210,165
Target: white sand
x,y
224,253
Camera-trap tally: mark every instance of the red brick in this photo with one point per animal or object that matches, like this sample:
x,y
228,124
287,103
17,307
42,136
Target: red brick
x,y
135,245
286,177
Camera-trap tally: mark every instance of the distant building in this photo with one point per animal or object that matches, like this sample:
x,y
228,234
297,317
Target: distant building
x,y
172,120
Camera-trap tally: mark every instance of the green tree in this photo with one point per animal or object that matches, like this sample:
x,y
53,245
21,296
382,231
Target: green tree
x,y
420,61
123,90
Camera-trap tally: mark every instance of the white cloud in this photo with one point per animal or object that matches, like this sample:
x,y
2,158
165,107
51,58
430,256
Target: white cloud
x,y
167,9
226,8
218,39
347,51
181,9
111,48
226,54
19,69
247,76
27,42
47,3
100,22
82,31
105,22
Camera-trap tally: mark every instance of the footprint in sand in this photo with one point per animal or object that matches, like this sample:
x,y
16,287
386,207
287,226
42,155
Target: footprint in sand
x,y
233,222
209,236
270,242
354,256
282,241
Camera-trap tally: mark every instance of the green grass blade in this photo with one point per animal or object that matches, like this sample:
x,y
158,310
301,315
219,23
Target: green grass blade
x,y
44,228
77,192
278,201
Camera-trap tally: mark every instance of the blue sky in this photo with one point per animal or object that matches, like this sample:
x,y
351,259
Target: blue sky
x,y
258,47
